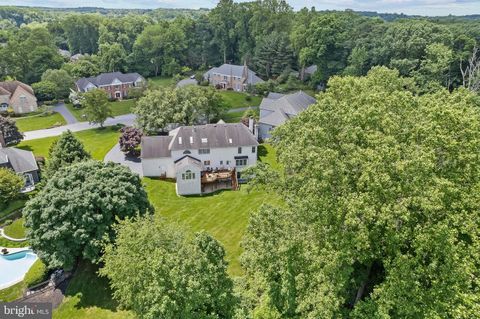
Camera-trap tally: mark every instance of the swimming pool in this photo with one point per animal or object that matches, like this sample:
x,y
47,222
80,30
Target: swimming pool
x,y
13,267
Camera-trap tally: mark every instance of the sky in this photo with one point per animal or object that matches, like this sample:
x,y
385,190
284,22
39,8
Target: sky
x,y
419,7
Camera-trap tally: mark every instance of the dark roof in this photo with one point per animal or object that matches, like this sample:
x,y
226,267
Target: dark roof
x,y
155,146
11,86
190,158
19,160
311,69
212,136
107,78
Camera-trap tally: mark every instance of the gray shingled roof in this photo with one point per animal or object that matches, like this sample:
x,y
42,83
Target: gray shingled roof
x,y
274,95
188,160
311,69
235,70
19,160
284,107
212,136
107,78
155,146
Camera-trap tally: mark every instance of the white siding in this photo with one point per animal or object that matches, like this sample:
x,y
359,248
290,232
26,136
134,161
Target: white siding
x,y
155,167
218,157
190,186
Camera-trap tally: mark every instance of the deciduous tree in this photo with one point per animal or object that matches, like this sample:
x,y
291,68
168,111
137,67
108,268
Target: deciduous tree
x,y
10,185
381,217
95,104
185,277
9,131
73,215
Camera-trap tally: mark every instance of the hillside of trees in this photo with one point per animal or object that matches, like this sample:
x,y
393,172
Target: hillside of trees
x,y
268,34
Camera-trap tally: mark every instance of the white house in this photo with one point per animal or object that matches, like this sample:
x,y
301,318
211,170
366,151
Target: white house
x,y
201,158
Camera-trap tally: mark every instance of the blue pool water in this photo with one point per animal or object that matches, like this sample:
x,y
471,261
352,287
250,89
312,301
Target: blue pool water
x,y
13,267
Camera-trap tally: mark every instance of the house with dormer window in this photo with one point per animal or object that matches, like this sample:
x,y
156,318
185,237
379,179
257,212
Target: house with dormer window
x,y
202,159
116,84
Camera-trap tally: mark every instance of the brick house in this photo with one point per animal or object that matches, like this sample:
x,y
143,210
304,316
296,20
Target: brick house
x,y
116,84
234,77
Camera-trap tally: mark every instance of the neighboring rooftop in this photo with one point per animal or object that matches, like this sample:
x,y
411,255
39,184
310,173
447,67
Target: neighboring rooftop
x,y
19,160
284,107
235,70
311,69
11,87
107,79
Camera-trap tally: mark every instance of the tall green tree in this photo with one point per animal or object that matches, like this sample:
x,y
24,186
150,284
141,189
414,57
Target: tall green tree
x,y
96,106
112,57
10,185
188,105
82,32
73,215
186,277
381,220
273,55
66,150
61,79
159,48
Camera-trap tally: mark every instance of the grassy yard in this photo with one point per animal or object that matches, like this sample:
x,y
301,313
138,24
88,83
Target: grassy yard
x,y
238,99
97,141
160,81
12,206
15,229
118,108
39,122
233,117
88,296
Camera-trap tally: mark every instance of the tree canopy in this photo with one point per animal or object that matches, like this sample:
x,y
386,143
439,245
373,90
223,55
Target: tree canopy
x,y
180,276
66,150
10,185
382,216
73,214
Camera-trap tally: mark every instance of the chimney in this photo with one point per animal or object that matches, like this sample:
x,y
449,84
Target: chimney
x,y
2,141
251,126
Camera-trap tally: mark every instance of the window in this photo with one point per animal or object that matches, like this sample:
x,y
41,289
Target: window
x,y
204,140
204,151
224,77
253,149
180,140
228,162
187,152
188,175
241,162
239,150
206,163
221,162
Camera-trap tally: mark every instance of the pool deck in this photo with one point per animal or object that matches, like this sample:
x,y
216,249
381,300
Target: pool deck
x,y
20,276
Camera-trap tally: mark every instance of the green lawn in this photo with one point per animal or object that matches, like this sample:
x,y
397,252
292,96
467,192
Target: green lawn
x,y
97,141
118,108
233,117
160,81
238,99
88,296
15,229
12,206
39,122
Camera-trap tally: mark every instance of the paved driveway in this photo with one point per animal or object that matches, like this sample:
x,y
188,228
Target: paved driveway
x,y
117,156
65,112
127,119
